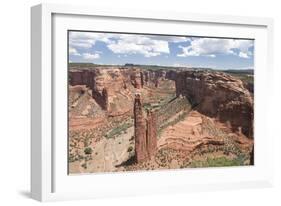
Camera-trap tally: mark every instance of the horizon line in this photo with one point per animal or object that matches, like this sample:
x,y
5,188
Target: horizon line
x,y
157,65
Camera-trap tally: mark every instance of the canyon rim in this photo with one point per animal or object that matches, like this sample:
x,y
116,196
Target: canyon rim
x,y
151,102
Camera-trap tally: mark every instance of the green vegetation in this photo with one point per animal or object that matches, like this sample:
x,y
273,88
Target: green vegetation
x,y
84,165
81,64
160,103
218,162
88,150
240,71
245,78
71,158
118,130
130,149
229,147
87,65
245,75
147,106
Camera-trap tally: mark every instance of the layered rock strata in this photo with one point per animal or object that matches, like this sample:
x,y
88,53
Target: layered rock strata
x,y
218,95
145,132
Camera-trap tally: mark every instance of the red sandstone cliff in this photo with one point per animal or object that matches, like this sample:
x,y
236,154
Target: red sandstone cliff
x,y
110,87
212,93
151,133
219,95
137,79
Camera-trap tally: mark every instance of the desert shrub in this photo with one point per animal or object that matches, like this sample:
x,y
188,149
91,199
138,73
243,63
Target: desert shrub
x,y
84,165
80,157
147,105
88,150
71,158
130,149
118,130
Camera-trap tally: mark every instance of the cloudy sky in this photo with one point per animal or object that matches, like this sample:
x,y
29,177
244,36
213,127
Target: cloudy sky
x,y
114,48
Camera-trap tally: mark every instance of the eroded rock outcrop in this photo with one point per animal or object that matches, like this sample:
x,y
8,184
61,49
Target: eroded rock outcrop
x,y
179,114
137,79
218,95
140,136
145,132
151,133
215,94
110,87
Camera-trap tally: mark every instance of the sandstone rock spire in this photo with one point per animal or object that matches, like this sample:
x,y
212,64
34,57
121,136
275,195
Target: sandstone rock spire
x,y
145,132
140,136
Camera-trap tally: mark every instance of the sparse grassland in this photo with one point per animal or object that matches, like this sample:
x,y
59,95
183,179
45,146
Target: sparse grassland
x,y
246,76
118,130
217,162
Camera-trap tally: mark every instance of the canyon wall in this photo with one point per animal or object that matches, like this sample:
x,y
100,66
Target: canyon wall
x,y
215,94
96,80
171,109
218,95
113,87
152,78
136,77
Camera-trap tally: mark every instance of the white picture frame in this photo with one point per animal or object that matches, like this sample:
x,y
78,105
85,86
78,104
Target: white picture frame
x,y
49,179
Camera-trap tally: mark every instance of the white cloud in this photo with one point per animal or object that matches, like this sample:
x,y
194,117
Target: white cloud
x,y
147,45
211,47
74,52
152,45
89,56
136,44
243,55
88,39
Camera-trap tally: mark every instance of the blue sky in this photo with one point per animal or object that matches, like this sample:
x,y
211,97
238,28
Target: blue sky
x,y
114,48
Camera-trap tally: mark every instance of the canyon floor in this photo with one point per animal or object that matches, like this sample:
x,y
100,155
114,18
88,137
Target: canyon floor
x,y
103,140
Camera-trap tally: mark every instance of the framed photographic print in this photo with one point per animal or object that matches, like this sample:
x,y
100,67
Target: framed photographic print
x,y
136,102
